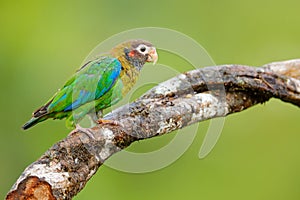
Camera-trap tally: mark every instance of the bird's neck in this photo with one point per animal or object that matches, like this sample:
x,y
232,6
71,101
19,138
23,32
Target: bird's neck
x,y
129,74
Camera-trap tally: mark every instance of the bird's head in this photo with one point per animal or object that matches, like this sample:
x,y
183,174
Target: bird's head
x,y
135,52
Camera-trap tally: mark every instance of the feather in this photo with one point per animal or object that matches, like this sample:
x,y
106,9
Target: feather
x,y
98,84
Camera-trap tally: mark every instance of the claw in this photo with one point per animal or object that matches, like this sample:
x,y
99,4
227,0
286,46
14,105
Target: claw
x,y
86,131
111,122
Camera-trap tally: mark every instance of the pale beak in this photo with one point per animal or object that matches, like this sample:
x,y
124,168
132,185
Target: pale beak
x,y
152,57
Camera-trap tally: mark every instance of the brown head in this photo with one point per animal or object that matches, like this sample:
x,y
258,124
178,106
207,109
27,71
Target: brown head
x,y
135,53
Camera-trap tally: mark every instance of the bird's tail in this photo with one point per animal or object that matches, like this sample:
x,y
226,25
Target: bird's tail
x,y
33,121
38,116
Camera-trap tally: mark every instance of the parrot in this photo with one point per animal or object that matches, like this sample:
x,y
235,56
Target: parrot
x,y
98,84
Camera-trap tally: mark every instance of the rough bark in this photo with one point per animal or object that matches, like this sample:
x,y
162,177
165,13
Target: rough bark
x,y
189,98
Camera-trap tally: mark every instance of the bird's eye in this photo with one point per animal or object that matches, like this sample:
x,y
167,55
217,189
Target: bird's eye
x,y
143,49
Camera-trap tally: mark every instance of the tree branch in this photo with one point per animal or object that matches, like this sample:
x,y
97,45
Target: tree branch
x,y
189,98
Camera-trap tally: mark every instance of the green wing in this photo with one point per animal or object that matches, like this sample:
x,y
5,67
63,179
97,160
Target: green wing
x,y
90,83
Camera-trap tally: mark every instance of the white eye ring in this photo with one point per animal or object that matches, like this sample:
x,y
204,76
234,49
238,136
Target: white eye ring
x,y
143,49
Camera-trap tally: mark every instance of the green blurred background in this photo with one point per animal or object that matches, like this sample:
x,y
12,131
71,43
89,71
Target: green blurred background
x,y
257,156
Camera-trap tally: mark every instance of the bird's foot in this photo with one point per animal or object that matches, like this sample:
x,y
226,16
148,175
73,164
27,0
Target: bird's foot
x,y
86,131
110,122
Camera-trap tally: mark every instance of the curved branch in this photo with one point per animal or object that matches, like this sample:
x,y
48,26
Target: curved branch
x,y
189,98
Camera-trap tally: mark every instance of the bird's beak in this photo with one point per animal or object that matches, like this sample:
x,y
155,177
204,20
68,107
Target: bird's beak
x,y
152,57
